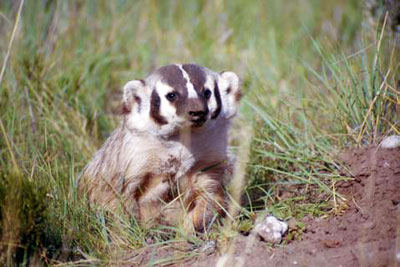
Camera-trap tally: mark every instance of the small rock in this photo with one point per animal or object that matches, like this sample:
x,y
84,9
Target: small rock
x,y
271,229
392,141
386,165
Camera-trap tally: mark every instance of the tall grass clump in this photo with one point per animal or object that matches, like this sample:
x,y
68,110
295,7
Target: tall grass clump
x,y
316,80
349,99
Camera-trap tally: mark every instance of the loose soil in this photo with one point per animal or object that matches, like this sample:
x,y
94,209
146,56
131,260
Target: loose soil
x,y
367,233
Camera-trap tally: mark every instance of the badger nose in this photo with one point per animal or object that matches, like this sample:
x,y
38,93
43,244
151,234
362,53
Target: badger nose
x,y
197,110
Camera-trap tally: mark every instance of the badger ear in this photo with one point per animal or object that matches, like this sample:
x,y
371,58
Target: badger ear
x,y
230,93
133,96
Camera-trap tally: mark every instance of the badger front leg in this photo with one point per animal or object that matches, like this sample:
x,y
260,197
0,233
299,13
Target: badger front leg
x,y
204,200
152,195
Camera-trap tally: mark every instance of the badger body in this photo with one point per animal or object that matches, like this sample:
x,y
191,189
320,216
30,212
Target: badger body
x,y
168,160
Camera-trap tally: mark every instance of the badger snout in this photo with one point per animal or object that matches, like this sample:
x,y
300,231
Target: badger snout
x,y
197,111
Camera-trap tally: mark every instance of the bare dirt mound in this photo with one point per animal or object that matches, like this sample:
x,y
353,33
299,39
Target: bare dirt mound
x,y
366,234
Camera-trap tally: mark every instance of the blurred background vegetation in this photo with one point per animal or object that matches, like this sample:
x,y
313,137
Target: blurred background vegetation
x,y
318,76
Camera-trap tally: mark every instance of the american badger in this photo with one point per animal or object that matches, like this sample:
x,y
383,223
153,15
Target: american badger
x,y
168,159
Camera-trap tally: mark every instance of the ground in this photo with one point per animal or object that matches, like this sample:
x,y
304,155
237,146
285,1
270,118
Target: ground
x,y
366,233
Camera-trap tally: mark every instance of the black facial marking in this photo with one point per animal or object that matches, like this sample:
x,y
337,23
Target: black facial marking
x,y
155,102
172,76
138,100
219,102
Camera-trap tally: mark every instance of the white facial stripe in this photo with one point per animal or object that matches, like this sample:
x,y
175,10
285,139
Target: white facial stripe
x,y
209,82
191,92
166,108
212,102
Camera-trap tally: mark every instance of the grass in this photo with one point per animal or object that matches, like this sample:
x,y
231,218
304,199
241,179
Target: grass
x,y
317,79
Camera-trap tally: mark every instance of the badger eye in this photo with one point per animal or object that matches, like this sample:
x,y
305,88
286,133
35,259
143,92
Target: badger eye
x,y
207,93
171,96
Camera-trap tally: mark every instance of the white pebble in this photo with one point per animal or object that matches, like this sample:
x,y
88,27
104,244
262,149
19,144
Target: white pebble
x,y
271,229
398,256
385,165
392,141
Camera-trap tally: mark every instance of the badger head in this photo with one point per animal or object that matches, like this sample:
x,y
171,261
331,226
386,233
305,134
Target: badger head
x,y
176,97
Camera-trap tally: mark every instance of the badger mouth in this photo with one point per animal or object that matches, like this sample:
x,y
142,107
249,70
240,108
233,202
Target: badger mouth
x,y
198,122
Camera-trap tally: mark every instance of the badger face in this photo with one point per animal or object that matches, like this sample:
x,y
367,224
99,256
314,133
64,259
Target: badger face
x,y
176,96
